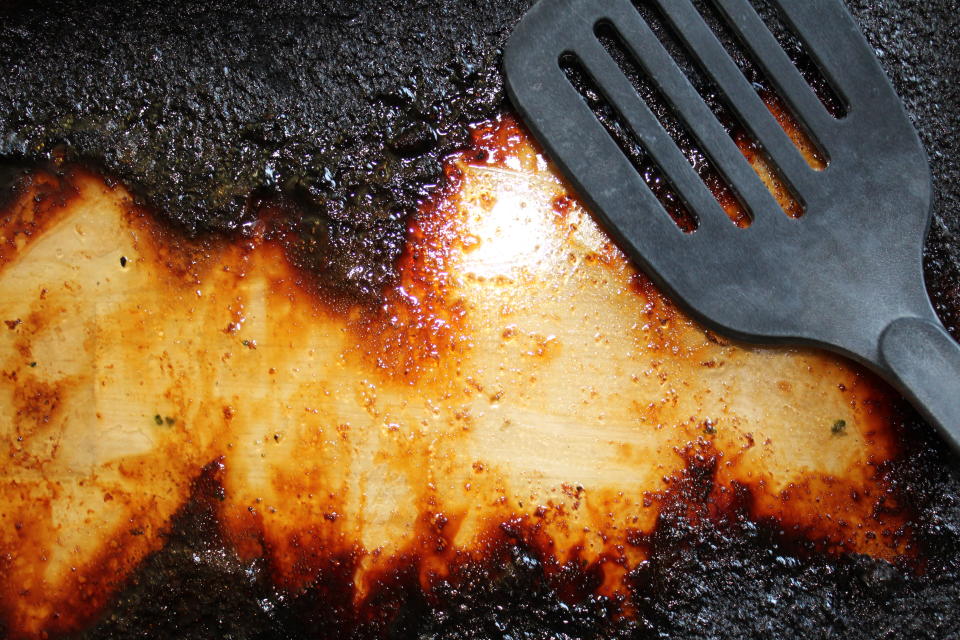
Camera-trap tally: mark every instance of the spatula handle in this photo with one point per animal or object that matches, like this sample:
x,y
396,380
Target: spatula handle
x,y
925,361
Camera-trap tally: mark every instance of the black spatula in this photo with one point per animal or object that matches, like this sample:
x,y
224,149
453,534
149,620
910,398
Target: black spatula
x,y
848,274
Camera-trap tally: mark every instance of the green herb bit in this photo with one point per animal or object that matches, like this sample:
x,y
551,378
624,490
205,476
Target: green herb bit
x,y
158,420
839,427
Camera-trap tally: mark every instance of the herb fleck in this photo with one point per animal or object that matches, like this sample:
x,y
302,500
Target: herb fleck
x,y
158,420
839,427
123,261
33,364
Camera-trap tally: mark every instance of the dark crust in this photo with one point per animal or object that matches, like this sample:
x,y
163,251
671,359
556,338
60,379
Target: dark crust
x,y
346,108
705,579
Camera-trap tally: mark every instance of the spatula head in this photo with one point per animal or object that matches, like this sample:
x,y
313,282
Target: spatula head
x,y
835,277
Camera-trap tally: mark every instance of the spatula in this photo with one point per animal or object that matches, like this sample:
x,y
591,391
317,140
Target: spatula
x,y
847,275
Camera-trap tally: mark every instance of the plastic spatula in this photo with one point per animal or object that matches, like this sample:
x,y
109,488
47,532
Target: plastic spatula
x,y
847,275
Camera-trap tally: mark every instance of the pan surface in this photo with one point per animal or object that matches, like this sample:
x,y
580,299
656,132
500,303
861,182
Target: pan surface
x,y
342,114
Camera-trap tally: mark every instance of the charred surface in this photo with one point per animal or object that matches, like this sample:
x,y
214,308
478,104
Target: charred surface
x,y
734,578
195,587
346,107
711,573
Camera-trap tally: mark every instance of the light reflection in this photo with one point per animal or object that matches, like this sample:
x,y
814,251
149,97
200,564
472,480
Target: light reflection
x,y
516,228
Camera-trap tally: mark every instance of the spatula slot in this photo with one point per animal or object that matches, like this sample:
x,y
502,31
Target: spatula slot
x,y
802,57
711,94
632,148
707,89
797,130
613,42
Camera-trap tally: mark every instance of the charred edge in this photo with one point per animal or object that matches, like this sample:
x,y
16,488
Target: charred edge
x,y
52,190
194,584
306,241
345,110
712,571
11,179
418,321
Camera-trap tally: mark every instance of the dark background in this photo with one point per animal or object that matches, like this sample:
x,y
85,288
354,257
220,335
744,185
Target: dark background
x,y
346,109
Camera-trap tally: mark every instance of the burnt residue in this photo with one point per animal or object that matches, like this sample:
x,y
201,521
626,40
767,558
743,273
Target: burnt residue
x,y
11,175
733,577
345,107
195,587
141,91
712,572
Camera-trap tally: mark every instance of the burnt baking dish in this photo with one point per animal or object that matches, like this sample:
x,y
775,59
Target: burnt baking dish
x,y
303,338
